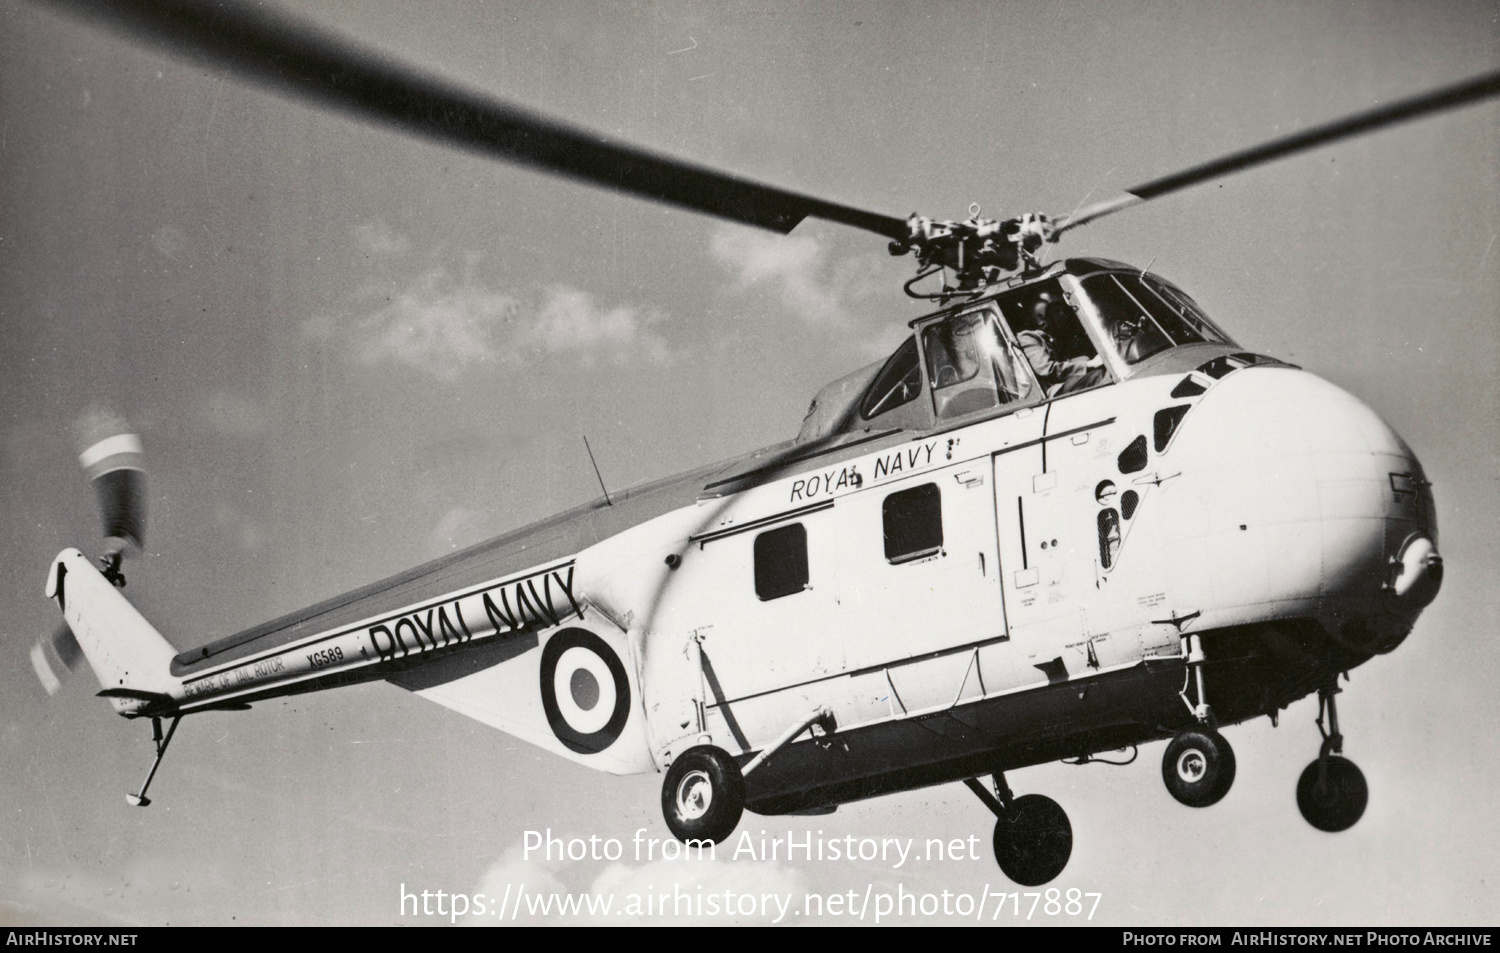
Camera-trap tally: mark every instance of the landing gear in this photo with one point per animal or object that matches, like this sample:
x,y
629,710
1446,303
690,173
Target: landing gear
x,y
1033,839
141,800
703,795
1198,765
1331,794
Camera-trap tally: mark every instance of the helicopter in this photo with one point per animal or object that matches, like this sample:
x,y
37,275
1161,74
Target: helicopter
x,y
950,432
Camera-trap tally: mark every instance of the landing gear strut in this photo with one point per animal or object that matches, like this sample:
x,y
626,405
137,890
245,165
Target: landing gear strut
x,y
141,800
1033,839
1198,765
1331,793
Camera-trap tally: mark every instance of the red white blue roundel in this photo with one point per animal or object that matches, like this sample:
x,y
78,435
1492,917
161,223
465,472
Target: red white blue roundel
x,y
585,692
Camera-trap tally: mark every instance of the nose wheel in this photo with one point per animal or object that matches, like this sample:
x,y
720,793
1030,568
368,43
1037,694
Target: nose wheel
x,y
1033,838
1198,767
1331,794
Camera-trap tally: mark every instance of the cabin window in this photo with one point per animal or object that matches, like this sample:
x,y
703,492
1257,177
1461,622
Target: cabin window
x,y
913,523
972,366
1144,316
781,562
898,382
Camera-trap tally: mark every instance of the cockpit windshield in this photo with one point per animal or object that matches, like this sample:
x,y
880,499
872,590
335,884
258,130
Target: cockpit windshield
x,y
971,365
1143,316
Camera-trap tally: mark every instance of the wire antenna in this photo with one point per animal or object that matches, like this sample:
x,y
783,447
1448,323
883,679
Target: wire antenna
x,y
607,500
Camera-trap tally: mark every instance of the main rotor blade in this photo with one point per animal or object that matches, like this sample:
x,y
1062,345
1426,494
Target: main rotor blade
x,y
276,50
1438,100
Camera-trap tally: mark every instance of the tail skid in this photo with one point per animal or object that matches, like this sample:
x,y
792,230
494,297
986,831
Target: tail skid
x,y
129,657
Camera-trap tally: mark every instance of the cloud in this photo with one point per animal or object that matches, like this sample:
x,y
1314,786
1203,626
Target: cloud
x,y
795,267
508,875
685,887
378,238
688,884
437,324
570,321
446,326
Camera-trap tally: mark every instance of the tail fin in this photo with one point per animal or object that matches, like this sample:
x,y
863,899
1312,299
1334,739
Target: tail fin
x,y
129,657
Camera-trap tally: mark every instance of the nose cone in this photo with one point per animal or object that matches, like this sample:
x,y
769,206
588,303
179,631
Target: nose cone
x,y
1310,505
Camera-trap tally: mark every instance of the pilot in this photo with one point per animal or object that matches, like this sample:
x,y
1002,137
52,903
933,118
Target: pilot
x,y
1127,334
954,356
1057,376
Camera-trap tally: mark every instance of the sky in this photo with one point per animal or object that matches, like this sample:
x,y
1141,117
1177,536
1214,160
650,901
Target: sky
x,y
348,351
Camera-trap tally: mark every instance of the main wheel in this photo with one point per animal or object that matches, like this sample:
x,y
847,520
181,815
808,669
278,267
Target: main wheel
x,y
1332,794
1033,840
1198,767
703,795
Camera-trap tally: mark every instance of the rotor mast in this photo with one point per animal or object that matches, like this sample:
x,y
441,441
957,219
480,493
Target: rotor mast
x,y
979,251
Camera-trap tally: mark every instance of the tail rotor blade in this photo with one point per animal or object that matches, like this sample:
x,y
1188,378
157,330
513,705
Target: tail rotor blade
x,y
112,457
54,656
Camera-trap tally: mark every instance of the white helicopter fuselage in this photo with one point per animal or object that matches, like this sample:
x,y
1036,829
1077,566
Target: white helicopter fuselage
x,y
973,598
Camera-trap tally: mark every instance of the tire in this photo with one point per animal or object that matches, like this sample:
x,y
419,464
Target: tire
x,y
1033,840
1198,767
1338,802
703,795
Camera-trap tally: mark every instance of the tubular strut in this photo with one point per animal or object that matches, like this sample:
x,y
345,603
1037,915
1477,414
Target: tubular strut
x,y
823,718
1333,742
997,802
1193,652
141,800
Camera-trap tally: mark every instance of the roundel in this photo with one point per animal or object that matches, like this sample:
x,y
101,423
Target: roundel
x,y
584,691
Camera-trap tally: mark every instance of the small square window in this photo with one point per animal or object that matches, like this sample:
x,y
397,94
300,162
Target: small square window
x,y
913,523
781,562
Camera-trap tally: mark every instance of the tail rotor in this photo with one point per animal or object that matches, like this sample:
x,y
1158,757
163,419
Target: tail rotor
x,y
112,456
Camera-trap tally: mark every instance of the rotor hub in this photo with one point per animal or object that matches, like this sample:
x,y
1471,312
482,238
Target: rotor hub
x,y
978,251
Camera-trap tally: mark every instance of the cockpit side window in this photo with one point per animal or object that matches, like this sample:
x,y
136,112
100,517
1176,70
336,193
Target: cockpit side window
x,y
1143,316
898,382
972,365
1053,339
